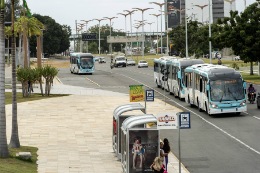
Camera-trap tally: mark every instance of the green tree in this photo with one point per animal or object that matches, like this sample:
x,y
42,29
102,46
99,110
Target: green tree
x,y
3,141
93,47
49,73
242,33
17,10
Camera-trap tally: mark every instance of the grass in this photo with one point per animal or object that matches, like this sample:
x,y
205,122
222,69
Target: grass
x,y
20,98
14,164
251,78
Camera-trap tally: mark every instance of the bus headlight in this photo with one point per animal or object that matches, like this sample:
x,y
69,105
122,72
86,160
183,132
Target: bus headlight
x,y
243,103
213,106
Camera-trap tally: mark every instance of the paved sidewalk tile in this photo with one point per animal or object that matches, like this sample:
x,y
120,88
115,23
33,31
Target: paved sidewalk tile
x,y
73,133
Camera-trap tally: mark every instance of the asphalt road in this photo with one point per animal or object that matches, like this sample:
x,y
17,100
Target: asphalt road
x,y
226,143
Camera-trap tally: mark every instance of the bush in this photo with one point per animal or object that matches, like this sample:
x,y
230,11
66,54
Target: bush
x,y
235,66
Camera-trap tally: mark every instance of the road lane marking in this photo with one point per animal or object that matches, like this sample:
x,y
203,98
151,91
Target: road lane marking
x,y
256,117
92,81
236,139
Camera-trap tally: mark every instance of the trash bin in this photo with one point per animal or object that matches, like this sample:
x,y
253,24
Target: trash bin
x,y
117,122
139,146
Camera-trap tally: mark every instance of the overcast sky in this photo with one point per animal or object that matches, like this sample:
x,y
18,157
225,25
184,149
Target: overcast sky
x,y
67,11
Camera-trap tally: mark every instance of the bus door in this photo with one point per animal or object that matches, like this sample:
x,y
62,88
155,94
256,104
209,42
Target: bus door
x,y
193,86
201,91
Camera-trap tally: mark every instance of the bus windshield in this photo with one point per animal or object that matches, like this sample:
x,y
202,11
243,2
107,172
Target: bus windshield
x,y
226,90
86,62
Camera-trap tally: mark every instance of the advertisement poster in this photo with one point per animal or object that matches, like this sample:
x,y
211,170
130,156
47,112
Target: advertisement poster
x,y
167,120
143,148
174,16
136,93
121,120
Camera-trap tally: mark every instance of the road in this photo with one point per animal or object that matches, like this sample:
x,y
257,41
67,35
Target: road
x,y
215,144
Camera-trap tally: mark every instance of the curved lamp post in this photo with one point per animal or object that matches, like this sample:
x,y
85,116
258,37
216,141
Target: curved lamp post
x,y
167,13
157,15
86,30
201,7
130,13
99,20
125,34
143,10
110,32
150,32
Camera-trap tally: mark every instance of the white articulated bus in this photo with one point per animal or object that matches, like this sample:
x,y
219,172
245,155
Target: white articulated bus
x,y
215,89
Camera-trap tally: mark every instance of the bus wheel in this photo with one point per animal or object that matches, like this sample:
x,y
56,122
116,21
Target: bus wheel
x,y
238,113
199,105
179,95
191,105
207,109
157,84
71,72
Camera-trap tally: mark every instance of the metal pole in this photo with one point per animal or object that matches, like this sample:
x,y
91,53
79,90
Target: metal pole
x,y
202,16
75,36
157,35
125,39
151,36
110,39
179,132
99,39
131,36
145,102
167,35
186,33
143,33
161,34
210,55
42,48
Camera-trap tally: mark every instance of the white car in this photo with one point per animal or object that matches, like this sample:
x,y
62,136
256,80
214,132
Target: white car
x,y
142,63
102,60
237,58
130,62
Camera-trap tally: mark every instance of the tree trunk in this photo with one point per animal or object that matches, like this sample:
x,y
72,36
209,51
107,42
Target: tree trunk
x,y
251,68
8,59
28,52
41,85
46,86
14,142
4,152
21,60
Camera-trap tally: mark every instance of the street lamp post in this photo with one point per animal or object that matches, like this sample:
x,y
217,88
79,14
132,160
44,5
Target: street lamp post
x,y
125,34
161,20
86,30
150,32
99,34
167,13
201,7
130,13
186,32
210,55
143,10
110,47
231,2
157,30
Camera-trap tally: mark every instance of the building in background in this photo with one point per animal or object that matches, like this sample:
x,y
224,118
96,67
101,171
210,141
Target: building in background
x,y
219,9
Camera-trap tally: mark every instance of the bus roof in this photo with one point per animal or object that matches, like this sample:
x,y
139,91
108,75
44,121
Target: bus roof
x,y
78,54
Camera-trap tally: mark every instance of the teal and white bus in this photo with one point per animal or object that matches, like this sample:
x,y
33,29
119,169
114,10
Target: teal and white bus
x,y
215,89
82,63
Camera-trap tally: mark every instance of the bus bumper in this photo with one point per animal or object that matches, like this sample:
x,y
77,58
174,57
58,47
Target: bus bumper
x,y
227,110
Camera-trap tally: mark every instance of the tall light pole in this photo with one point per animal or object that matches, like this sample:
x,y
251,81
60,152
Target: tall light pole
x,y
167,13
201,7
210,55
157,15
186,32
125,34
137,27
110,33
130,13
161,20
143,10
87,30
150,32
231,2
99,20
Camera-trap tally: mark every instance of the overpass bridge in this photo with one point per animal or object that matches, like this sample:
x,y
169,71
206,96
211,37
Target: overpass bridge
x,y
122,38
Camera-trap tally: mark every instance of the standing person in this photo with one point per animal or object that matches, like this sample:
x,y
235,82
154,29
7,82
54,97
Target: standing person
x,y
157,165
30,86
219,61
162,153
167,149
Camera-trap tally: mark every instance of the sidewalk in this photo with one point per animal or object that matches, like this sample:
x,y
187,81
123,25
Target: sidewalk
x,y
74,133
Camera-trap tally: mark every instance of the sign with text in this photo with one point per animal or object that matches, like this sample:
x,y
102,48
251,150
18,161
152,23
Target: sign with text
x,y
136,93
167,121
149,95
89,36
184,118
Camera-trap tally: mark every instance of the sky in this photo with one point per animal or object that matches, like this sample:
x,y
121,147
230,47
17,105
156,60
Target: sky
x,y
67,11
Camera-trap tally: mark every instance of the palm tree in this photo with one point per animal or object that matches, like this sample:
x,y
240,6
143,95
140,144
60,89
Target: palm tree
x,y
14,142
3,141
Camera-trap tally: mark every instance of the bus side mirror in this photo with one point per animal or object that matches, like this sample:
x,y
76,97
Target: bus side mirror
x,y
164,78
179,74
244,84
207,87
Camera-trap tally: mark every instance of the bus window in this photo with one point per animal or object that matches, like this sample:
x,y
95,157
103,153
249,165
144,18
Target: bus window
x,y
201,84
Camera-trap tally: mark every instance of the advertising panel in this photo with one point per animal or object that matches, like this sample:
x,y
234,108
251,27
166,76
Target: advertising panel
x,y
136,93
174,16
167,121
143,148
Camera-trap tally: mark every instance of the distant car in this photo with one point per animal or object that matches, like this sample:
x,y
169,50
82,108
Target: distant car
x,y
97,57
237,58
217,55
258,100
206,56
130,62
142,63
102,60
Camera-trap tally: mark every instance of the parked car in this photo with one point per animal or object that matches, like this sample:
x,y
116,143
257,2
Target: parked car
x,y
237,58
258,100
142,63
97,57
130,62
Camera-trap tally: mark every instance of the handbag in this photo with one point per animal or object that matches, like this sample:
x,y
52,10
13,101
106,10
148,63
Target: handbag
x,y
164,170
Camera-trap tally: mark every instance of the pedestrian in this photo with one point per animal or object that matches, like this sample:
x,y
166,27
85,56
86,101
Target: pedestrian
x,y
219,61
30,86
157,165
166,149
162,154
106,52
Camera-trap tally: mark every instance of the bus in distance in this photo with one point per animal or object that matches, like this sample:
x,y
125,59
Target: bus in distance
x,y
82,63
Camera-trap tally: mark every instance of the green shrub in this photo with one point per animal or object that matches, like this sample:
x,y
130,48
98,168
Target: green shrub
x,y
235,66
